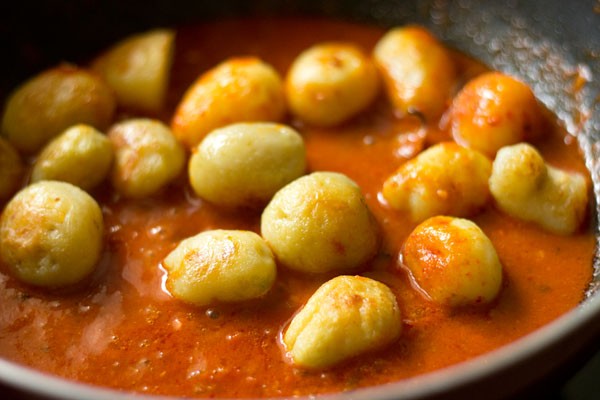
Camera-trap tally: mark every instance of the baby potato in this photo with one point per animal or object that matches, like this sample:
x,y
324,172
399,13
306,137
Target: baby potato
x,y
453,262
331,82
51,234
81,156
242,89
320,222
346,316
51,102
525,187
11,170
418,72
138,68
220,266
147,157
444,179
494,110
244,164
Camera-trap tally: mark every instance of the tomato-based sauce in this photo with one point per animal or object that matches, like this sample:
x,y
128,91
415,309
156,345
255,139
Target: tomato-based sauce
x,y
123,330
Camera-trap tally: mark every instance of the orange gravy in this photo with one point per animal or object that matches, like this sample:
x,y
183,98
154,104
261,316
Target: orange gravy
x,y
122,330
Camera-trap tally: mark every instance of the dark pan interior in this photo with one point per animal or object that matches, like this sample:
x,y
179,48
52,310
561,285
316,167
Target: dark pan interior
x,y
551,44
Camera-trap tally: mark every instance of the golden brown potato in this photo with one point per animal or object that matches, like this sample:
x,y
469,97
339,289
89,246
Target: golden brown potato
x,y
220,266
244,164
147,157
418,72
11,170
444,179
51,234
495,110
238,90
138,69
51,102
81,155
346,316
525,187
453,262
320,222
331,82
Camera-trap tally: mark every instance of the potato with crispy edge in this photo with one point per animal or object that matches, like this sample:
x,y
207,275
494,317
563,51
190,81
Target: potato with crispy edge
x,y
244,89
345,317
320,222
444,179
330,82
495,110
51,234
147,157
220,266
453,262
81,155
138,69
527,188
51,102
417,70
244,164
11,170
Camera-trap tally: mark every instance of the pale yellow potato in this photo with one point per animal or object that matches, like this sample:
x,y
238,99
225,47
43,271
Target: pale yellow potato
x,y
345,317
444,179
51,102
138,69
51,234
81,155
453,262
320,222
495,110
418,72
147,157
220,266
244,89
244,164
525,187
11,170
331,82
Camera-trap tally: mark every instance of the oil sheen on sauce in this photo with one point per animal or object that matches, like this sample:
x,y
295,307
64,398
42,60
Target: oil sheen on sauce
x,y
122,330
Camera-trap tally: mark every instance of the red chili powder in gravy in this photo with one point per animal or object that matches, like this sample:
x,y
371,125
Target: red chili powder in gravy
x,y
122,330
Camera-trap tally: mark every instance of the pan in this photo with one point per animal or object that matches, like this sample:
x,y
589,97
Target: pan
x,y
551,45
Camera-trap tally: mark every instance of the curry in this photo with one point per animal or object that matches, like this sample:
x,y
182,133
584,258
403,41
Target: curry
x,y
121,327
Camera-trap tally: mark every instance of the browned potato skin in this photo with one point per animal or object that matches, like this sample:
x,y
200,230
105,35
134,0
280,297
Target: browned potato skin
x,y
331,82
52,101
51,234
444,179
417,70
453,262
243,89
495,110
11,170
146,157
